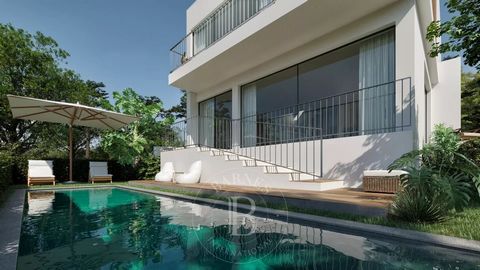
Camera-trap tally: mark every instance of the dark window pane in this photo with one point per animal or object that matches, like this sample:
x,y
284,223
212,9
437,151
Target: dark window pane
x,y
330,74
223,105
223,116
277,91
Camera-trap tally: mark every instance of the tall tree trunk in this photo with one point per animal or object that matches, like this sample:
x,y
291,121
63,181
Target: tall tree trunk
x,y
87,146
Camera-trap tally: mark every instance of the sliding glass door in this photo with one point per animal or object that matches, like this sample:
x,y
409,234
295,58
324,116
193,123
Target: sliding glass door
x,y
215,121
346,92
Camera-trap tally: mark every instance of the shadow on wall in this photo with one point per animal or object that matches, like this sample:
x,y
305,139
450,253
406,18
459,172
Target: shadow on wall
x,y
379,151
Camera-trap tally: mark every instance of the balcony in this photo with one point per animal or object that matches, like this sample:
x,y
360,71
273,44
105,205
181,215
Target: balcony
x,y
223,20
290,28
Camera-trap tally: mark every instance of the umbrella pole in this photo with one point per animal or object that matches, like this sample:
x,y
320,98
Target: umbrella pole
x,y
70,142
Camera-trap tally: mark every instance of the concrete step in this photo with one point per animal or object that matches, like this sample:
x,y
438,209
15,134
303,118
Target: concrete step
x,y
217,152
272,169
203,149
276,169
296,176
255,163
236,158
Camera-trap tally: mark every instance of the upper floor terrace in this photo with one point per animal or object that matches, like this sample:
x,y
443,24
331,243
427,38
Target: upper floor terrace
x,y
226,38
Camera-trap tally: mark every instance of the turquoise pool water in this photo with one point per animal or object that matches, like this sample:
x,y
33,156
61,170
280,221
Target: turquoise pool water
x,y
120,229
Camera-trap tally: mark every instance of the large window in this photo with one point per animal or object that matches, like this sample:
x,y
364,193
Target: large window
x,y
344,92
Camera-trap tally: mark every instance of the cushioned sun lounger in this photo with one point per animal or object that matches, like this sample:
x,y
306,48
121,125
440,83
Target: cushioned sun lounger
x,y
40,172
99,172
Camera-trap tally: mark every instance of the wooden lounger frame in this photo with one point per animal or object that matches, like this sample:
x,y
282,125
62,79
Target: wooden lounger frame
x,y
40,180
94,179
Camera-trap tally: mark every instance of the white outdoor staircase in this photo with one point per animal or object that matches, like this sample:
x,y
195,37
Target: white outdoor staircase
x,y
285,177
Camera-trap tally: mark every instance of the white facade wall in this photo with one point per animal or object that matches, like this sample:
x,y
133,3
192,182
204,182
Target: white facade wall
x,y
199,10
343,158
347,158
446,95
257,23
217,171
401,15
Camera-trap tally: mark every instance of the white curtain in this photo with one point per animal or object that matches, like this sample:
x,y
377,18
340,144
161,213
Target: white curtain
x,y
249,115
376,76
206,122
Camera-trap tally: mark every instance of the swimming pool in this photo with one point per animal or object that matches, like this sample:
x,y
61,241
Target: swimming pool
x,y
122,229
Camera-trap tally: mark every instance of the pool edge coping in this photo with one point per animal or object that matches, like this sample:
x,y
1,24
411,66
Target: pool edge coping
x,y
389,232
13,207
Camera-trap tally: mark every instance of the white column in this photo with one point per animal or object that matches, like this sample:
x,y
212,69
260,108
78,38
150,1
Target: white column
x,y
192,119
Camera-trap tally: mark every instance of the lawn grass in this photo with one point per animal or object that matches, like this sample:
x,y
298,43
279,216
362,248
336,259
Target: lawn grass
x,y
464,225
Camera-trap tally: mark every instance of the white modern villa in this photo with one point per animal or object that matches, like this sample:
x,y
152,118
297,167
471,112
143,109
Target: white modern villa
x,y
308,94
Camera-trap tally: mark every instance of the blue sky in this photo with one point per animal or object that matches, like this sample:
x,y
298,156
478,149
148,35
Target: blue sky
x,y
122,43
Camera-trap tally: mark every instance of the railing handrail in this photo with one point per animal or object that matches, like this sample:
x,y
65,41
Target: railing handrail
x,y
243,120
300,138
172,49
333,96
309,102
291,138
205,21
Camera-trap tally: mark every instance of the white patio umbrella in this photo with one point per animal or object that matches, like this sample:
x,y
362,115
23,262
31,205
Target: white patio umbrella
x,y
27,108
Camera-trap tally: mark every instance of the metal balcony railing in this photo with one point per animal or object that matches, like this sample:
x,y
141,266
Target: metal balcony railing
x,y
292,137
223,20
375,109
299,149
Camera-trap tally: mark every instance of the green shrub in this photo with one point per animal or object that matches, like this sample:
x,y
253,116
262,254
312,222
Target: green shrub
x,y
471,150
437,174
148,166
414,206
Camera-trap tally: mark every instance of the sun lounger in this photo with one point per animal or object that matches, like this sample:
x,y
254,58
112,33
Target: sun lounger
x,y
40,172
99,172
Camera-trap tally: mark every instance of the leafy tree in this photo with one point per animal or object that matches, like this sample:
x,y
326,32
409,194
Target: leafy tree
x,y
462,31
178,111
130,143
471,101
30,66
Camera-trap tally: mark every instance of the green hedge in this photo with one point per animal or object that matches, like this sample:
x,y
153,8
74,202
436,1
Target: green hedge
x,y
14,169
5,170
81,168
120,172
